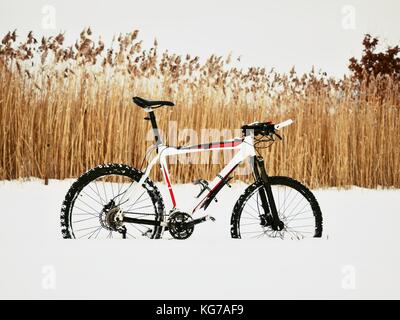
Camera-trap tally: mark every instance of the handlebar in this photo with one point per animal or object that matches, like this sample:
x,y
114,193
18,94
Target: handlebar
x,y
266,128
283,124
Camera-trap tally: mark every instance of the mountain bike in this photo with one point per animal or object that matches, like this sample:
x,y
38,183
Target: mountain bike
x,y
119,201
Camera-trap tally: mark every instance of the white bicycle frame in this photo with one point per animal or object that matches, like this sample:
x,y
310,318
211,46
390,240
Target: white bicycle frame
x,y
245,147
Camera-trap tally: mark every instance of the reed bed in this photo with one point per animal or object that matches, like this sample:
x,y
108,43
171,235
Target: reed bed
x,y
66,109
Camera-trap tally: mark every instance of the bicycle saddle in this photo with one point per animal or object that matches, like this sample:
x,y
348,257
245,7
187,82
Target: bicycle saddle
x,y
143,103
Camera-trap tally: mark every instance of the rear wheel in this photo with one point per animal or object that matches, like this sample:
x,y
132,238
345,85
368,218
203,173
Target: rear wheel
x,y
296,205
93,205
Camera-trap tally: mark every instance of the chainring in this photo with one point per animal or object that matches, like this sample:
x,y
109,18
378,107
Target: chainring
x,y
176,225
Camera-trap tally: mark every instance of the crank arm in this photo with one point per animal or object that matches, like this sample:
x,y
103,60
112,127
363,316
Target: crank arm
x,y
194,222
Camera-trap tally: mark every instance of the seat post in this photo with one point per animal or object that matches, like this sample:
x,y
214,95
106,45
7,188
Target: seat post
x,y
154,126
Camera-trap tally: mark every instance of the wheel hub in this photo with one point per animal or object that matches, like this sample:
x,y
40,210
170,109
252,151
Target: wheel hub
x,y
268,221
111,219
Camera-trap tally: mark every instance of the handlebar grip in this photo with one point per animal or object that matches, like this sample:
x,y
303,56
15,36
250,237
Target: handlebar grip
x,y
283,124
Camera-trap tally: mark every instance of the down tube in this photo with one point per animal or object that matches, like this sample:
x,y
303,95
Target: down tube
x,y
235,161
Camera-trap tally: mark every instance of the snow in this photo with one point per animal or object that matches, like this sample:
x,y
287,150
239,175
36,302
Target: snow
x,y
357,257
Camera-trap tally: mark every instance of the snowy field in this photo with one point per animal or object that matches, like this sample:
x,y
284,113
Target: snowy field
x,y
358,257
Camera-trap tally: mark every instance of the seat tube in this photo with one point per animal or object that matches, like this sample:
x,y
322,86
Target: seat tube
x,y
154,126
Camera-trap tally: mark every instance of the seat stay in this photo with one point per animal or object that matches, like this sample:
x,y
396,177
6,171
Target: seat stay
x,y
130,192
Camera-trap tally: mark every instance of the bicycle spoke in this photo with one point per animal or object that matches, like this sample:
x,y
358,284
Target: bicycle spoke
x,y
247,218
90,207
85,212
291,229
301,200
99,229
123,193
301,210
98,193
256,211
307,218
105,193
251,214
251,232
132,207
87,228
293,209
89,233
137,200
247,224
92,198
112,190
258,235
149,206
291,201
84,219
307,226
90,218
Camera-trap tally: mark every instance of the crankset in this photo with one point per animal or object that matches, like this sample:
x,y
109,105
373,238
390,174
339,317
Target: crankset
x,y
181,224
177,225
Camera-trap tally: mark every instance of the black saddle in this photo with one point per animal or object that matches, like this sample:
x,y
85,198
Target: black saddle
x,y
149,104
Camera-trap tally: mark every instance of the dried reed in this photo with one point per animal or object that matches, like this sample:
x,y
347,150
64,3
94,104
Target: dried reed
x,y
65,109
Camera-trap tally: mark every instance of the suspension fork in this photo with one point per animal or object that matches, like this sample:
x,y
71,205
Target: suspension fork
x,y
267,198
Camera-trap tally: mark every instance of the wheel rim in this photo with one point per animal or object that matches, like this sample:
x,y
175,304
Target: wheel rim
x,y
294,210
87,210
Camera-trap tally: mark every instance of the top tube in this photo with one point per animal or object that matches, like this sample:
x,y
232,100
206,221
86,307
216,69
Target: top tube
x,y
214,145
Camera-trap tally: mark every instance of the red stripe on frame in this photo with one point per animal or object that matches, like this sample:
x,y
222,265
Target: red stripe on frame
x,y
171,193
229,144
225,144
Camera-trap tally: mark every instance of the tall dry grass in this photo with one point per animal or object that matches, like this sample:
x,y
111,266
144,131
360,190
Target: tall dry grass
x,y
65,109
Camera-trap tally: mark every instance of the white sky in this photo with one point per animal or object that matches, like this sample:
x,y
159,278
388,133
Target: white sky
x,y
279,33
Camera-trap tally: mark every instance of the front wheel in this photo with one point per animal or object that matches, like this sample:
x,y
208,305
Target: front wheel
x,y
296,205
